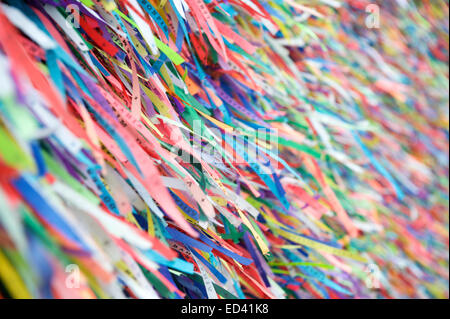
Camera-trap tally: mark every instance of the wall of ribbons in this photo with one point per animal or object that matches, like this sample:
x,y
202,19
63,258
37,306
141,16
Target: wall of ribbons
x,y
224,149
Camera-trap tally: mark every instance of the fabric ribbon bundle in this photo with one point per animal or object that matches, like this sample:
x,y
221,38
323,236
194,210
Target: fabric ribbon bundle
x,y
224,149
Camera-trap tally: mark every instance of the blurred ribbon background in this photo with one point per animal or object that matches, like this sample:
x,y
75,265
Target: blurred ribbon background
x,y
224,149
